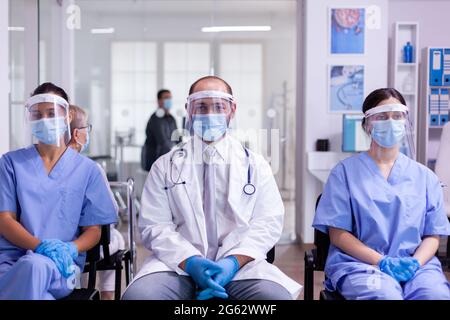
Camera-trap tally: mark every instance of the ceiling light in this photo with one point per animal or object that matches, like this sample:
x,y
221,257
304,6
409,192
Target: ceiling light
x,y
102,30
16,28
235,28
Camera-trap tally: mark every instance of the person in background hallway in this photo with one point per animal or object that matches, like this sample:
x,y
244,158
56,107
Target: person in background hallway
x,y
159,130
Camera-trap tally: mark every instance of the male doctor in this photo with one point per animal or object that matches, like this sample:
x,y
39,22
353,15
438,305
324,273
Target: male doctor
x,y
211,210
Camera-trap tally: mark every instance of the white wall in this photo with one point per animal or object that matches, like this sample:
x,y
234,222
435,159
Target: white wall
x,y
4,77
432,16
313,118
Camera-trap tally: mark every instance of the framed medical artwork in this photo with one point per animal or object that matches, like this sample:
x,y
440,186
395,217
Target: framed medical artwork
x,y
347,27
345,88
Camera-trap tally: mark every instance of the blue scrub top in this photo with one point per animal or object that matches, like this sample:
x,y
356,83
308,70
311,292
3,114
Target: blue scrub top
x,y
390,216
55,205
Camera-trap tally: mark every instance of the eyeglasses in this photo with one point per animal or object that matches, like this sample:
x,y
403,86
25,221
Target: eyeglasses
x,y
88,127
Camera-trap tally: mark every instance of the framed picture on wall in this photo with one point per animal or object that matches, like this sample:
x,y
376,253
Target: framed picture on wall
x,y
347,30
346,88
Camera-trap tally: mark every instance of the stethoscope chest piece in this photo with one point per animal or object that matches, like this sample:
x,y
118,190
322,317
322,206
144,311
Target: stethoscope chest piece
x,y
249,189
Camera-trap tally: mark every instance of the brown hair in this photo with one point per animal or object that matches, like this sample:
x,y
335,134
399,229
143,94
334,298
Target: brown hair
x,y
191,89
48,87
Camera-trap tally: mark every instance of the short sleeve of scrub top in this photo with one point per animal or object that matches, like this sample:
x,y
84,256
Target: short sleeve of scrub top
x,y
436,221
8,197
98,207
334,208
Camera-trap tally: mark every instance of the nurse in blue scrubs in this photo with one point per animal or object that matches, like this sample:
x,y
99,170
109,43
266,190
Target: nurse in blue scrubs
x,y
384,214
52,203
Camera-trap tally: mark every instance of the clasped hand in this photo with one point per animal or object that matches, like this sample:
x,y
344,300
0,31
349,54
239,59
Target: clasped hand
x,y
210,276
401,269
62,253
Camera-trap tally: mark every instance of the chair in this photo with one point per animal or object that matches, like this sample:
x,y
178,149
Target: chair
x,y
315,261
442,170
121,257
89,293
271,255
95,263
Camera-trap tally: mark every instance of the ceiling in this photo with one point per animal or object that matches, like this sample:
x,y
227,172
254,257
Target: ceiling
x,y
188,6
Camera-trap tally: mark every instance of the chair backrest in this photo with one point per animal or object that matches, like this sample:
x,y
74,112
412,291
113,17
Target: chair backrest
x,y
322,243
271,255
105,241
442,168
93,255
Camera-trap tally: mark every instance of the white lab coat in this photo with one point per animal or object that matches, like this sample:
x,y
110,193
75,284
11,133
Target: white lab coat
x,y
172,223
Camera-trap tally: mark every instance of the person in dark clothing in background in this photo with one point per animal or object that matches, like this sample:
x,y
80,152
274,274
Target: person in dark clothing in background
x,y
159,131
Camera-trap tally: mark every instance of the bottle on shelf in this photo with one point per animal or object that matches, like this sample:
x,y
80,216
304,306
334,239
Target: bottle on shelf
x,y
408,53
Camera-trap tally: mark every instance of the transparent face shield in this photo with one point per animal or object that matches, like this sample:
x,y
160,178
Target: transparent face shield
x,y
47,119
389,126
209,114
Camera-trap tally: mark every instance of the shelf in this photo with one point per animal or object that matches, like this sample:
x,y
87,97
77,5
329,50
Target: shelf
x,y
404,76
435,127
320,163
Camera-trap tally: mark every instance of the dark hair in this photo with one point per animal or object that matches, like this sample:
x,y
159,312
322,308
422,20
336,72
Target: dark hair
x,y
161,92
191,89
378,95
48,87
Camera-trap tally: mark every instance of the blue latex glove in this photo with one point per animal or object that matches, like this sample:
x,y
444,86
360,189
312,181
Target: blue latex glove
x,y
229,268
61,253
401,269
72,248
209,293
202,270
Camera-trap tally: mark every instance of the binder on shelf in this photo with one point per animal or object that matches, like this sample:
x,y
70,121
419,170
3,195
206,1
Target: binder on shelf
x,y
354,139
434,107
446,67
443,106
436,67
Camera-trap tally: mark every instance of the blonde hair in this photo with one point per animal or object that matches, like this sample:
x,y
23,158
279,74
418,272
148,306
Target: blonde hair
x,y
79,117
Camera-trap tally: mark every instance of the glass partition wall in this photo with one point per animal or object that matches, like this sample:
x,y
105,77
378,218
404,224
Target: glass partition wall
x,y
112,56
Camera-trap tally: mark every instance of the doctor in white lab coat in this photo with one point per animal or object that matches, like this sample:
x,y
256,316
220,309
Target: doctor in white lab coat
x,y
208,236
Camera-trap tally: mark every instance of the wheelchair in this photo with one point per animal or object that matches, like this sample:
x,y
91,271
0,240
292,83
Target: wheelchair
x,y
120,260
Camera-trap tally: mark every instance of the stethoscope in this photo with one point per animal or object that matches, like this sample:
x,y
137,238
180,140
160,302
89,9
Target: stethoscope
x,y
249,188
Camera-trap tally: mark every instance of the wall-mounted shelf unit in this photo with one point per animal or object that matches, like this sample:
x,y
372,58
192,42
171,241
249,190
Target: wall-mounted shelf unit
x,y
405,75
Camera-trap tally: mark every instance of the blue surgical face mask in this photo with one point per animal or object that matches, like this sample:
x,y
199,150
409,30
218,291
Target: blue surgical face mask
x,y
209,127
49,130
86,144
388,133
167,104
